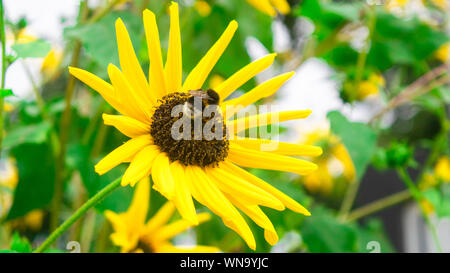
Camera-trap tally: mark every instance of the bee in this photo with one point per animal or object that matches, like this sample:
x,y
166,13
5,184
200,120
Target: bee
x,y
199,100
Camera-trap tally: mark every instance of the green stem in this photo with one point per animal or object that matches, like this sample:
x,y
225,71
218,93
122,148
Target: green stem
x,y
378,205
64,129
102,12
2,84
418,198
349,199
79,213
362,56
54,139
421,86
93,123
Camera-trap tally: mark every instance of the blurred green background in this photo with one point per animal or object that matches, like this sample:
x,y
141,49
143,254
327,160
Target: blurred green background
x,y
374,73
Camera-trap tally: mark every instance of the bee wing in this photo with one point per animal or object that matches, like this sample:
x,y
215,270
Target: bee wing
x,y
198,93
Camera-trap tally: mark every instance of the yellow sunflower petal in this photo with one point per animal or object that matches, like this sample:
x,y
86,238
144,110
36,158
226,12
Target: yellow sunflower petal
x,y
264,160
236,186
244,75
126,125
130,65
266,89
169,248
169,231
122,153
207,193
160,218
105,89
128,94
198,75
197,249
238,125
162,177
286,200
277,147
156,78
127,242
140,166
182,195
123,235
264,6
281,5
116,220
173,68
259,217
137,212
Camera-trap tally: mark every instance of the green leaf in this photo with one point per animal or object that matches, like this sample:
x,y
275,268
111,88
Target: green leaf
x,y
35,49
330,14
372,236
79,158
20,244
341,55
99,39
405,41
440,200
36,172
444,93
322,232
358,138
34,133
6,93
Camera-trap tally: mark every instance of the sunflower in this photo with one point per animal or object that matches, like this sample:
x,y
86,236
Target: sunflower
x,y
335,163
133,234
204,169
442,54
269,7
442,169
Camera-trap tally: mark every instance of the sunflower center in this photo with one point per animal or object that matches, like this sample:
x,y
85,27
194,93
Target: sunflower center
x,y
145,247
189,128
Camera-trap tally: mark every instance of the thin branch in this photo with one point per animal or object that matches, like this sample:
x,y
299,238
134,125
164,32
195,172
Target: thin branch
x,y
421,86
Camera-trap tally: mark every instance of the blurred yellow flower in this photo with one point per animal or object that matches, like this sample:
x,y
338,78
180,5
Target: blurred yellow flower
x,y
443,53
202,7
441,173
269,7
207,170
442,4
133,234
370,86
429,180
32,221
442,169
51,62
22,37
427,206
322,179
8,182
8,107
8,173
390,4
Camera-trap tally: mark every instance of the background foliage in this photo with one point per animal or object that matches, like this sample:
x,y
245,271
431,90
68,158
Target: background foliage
x,y
53,138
